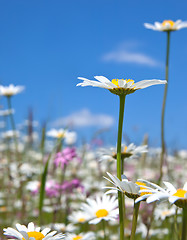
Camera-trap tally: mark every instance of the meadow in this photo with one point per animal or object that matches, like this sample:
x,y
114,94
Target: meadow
x,y
90,191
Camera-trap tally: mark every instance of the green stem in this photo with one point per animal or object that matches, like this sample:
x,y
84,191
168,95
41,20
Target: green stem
x,y
164,107
43,181
176,228
184,224
119,161
162,128
104,229
120,129
134,220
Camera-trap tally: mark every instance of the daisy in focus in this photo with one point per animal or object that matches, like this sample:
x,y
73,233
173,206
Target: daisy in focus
x,y
103,208
32,232
119,86
130,189
173,195
177,196
10,90
166,25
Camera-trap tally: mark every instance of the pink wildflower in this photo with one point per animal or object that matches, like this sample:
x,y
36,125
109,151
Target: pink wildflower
x,y
67,155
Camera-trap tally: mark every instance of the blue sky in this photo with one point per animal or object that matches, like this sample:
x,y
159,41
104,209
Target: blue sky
x,y
46,45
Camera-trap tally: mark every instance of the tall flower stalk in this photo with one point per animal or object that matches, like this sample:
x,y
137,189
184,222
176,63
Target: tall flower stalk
x,y
184,224
166,26
8,92
163,109
120,87
120,164
134,220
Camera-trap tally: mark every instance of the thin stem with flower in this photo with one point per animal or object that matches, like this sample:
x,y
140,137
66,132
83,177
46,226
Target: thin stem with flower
x,y
163,108
184,224
119,164
134,220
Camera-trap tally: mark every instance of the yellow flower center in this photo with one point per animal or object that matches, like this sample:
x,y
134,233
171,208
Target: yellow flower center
x,y
101,213
168,22
142,188
125,149
115,81
60,135
36,235
180,193
129,80
81,220
140,183
165,213
78,237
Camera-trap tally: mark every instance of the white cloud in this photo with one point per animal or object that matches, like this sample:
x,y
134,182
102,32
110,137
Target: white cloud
x,y
84,118
125,54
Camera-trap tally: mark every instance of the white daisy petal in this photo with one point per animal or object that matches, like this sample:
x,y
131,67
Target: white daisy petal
x,y
167,25
170,187
12,232
147,83
105,80
119,86
32,233
185,186
45,231
21,227
25,235
149,26
31,227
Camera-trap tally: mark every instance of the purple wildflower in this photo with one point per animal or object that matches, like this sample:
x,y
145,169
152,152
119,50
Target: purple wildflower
x,y
66,156
52,188
69,186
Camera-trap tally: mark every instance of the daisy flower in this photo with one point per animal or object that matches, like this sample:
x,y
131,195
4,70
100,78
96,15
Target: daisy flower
x,y
10,134
4,113
119,86
151,192
177,196
79,217
166,25
173,195
31,232
54,133
10,90
103,208
164,212
61,227
33,186
80,236
125,186
127,151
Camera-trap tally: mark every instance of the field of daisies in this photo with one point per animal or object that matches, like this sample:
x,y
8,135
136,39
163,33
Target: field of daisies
x,y
53,189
